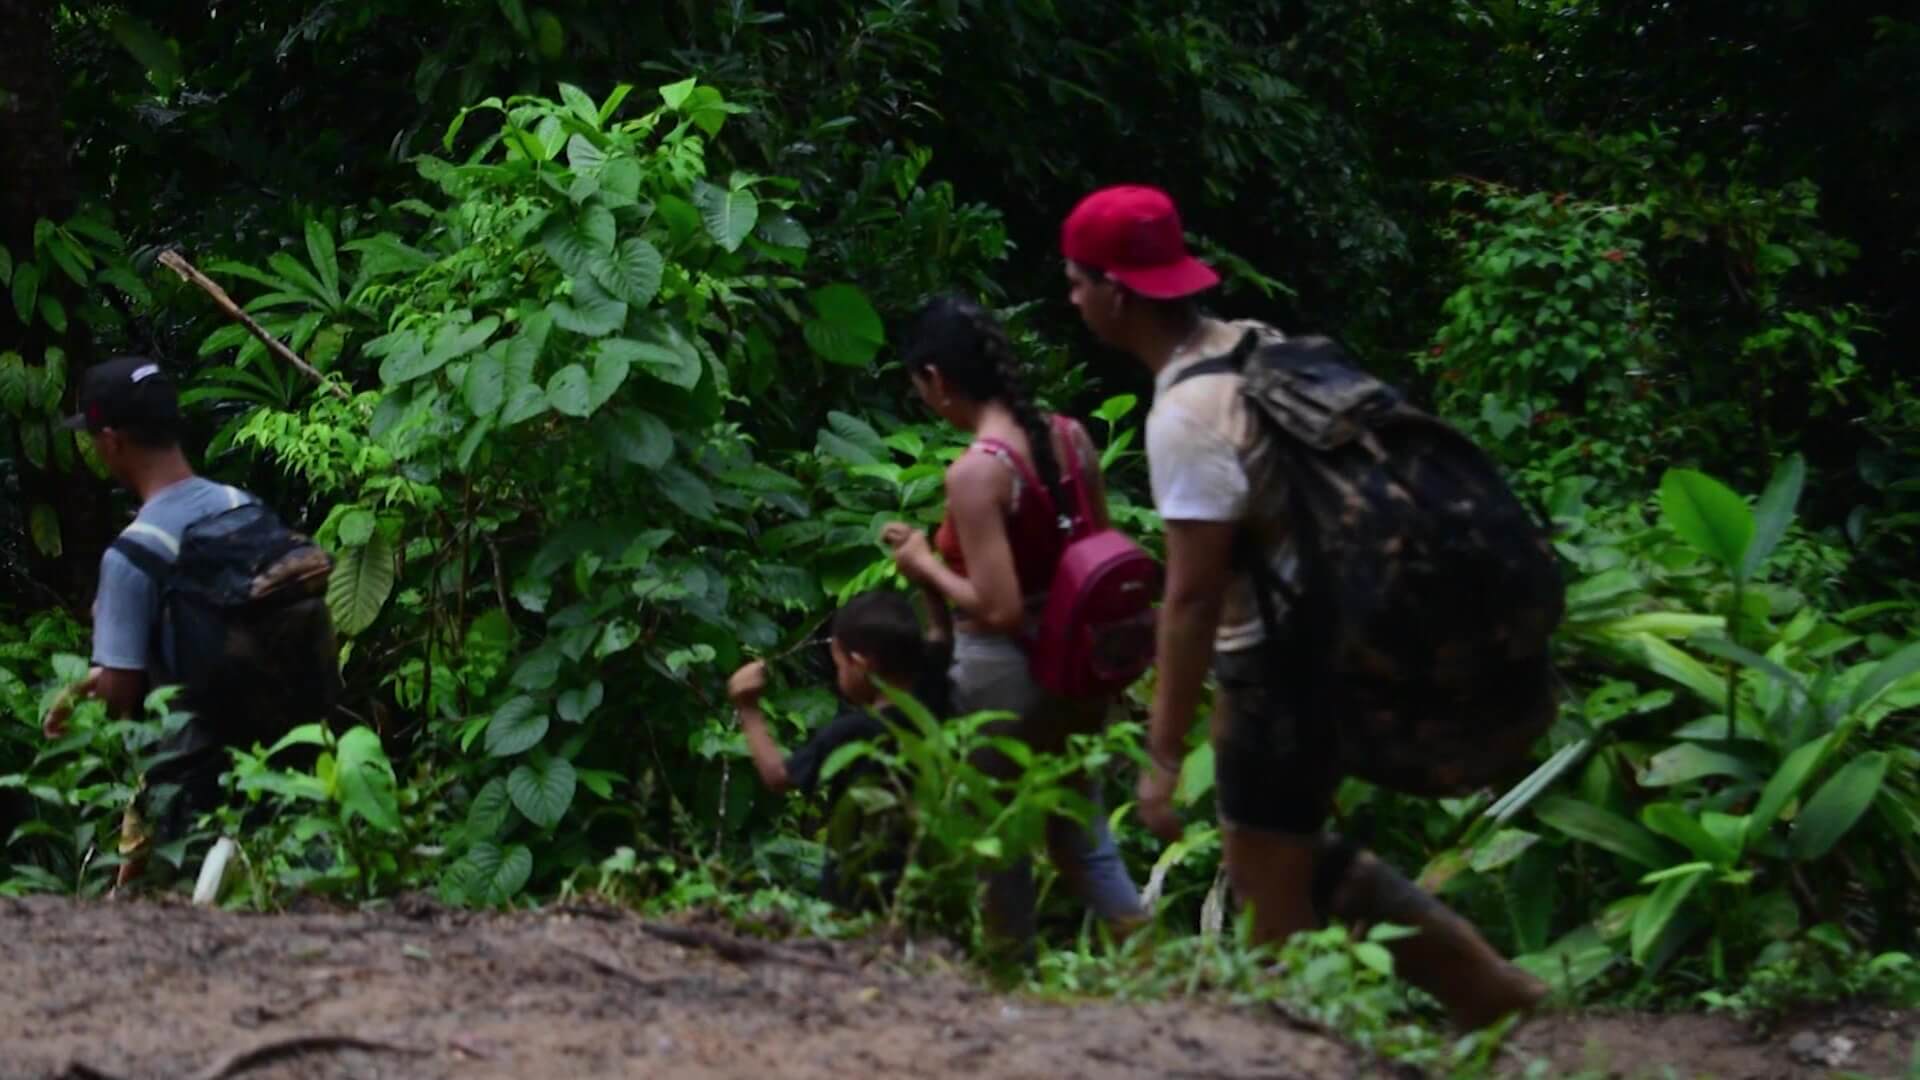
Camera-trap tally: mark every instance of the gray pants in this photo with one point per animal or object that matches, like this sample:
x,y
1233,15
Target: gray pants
x,y
990,673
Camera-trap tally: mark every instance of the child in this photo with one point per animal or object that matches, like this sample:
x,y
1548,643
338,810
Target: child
x,y
875,634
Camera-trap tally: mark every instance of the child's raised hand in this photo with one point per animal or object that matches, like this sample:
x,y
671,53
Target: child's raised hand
x,y
746,685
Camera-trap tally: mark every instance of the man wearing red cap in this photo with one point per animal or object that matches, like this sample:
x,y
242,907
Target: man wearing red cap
x,y
1219,490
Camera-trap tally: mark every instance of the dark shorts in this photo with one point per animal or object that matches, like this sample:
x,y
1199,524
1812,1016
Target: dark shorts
x,y
1272,771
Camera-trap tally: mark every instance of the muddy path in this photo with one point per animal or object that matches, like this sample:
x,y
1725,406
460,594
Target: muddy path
x,y
144,989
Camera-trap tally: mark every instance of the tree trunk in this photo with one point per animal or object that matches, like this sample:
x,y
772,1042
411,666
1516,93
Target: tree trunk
x,y
37,181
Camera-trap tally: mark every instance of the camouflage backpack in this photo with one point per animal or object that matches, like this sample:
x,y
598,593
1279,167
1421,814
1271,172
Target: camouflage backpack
x,y
243,627
1428,593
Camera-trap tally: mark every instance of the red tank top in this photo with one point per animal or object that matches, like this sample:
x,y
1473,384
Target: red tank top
x,y
1033,527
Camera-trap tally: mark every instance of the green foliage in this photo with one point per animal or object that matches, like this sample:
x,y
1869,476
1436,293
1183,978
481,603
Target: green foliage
x,y
1717,819
80,784
1547,339
615,408
1332,976
968,817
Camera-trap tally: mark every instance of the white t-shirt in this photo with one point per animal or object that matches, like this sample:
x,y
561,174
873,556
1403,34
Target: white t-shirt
x,y
1207,457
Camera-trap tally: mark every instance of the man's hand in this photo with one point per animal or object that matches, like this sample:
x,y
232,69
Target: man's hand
x,y
1157,784
747,684
911,552
54,724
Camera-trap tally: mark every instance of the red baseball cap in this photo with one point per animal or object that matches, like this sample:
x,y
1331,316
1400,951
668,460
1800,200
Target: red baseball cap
x,y
1132,234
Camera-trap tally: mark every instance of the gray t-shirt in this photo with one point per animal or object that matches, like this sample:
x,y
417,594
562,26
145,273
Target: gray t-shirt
x,y
128,603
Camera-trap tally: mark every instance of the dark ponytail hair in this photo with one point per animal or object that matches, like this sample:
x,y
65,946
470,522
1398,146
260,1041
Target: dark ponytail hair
x,y
973,352
882,626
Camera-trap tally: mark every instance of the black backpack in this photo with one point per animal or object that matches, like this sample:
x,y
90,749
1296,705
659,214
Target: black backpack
x,y
1428,592
244,612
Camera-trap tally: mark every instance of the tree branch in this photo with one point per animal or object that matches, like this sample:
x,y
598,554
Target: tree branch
x,y
177,263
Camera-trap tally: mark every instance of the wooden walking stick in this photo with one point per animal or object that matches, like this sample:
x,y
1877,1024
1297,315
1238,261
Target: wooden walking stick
x,y
178,263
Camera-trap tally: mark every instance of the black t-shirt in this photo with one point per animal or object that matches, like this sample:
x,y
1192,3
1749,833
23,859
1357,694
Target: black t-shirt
x,y
851,724
880,844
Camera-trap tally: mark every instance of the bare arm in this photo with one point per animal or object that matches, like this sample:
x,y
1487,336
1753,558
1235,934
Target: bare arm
x,y
122,690
1199,569
744,690
977,489
768,760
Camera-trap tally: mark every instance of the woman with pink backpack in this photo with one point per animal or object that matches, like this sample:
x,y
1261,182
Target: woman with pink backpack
x,y
1026,491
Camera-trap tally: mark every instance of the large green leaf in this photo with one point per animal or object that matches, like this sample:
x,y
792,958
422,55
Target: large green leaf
x,y
568,391
1675,823
326,261
485,386
848,330
516,726
1580,957
1708,515
523,352
13,383
584,158
620,181
53,378
577,704
1784,787
632,273
1894,669
54,313
524,403
26,291
1652,918
591,312
158,55
1682,762
1837,806
686,491
43,525
410,360
33,442
497,876
609,371
488,811
580,105
637,437
1604,829
1501,848
582,242
356,527
1774,513
362,579
542,789
368,789
665,356
1662,658
729,215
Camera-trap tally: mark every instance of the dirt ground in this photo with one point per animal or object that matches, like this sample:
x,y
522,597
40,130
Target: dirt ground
x,y
142,989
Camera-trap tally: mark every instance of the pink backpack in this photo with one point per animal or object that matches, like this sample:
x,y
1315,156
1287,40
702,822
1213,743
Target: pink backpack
x,y
1096,634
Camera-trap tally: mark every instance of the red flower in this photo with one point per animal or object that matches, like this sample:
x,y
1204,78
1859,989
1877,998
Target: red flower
x,y
1614,256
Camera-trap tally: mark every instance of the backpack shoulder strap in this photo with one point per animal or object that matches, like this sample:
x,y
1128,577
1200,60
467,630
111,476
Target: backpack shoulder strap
x,y
144,559
1073,473
1021,465
1213,365
1227,363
